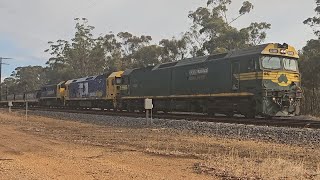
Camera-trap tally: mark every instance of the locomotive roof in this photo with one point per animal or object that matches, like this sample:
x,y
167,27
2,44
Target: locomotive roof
x,y
116,74
254,50
81,79
231,54
52,85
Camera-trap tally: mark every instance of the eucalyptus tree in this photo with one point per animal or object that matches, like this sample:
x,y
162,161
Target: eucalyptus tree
x,y
57,67
212,30
147,55
84,55
173,49
23,79
130,45
314,22
113,53
310,65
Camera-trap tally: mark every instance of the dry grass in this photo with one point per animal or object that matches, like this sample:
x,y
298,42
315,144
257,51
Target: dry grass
x,y
236,167
234,159
233,164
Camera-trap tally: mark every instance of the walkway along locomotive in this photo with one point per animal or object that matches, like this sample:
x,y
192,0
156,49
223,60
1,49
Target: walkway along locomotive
x,y
261,80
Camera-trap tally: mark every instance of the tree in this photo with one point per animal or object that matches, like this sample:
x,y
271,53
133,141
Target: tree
x,y
58,69
9,85
113,54
147,55
83,56
213,27
310,65
173,49
314,22
83,53
131,44
24,79
195,42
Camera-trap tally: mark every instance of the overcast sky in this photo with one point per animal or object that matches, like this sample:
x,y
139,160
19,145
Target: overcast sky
x,y
27,25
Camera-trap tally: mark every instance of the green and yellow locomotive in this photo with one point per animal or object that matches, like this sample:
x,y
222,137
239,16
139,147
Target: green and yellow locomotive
x,y
261,80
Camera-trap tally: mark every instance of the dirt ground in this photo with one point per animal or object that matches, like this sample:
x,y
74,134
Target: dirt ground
x,y
45,148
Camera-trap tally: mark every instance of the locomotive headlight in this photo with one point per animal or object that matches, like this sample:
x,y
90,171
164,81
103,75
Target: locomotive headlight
x,y
290,53
283,51
298,94
273,50
274,99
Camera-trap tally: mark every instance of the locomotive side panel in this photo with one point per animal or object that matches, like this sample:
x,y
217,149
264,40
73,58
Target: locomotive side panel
x,y
88,88
201,78
148,82
89,92
52,95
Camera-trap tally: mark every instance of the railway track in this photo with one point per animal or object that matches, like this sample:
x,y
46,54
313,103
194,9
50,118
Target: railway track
x,y
275,122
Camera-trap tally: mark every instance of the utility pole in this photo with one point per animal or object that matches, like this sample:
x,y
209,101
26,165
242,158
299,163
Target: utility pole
x,y
1,58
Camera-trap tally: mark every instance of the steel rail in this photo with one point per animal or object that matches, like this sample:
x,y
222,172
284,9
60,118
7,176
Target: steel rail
x,y
275,122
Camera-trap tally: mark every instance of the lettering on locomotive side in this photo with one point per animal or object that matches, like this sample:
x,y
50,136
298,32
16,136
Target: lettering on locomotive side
x,y
124,87
198,74
50,92
195,72
199,77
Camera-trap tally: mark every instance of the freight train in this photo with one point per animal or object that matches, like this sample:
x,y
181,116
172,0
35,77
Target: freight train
x,y
260,80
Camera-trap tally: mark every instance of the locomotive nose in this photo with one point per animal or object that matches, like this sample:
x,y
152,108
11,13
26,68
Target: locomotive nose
x,y
282,78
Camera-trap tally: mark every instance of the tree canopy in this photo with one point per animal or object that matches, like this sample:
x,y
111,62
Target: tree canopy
x,y
310,65
214,29
25,79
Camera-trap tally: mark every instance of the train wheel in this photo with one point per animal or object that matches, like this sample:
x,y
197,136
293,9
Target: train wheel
x,y
130,109
230,114
252,111
265,116
297,111
250,115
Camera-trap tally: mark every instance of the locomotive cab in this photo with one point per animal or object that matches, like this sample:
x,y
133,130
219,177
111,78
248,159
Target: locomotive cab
x,y
281,92
113,87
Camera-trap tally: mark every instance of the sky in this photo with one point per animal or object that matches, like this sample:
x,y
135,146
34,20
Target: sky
x,y
27,26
